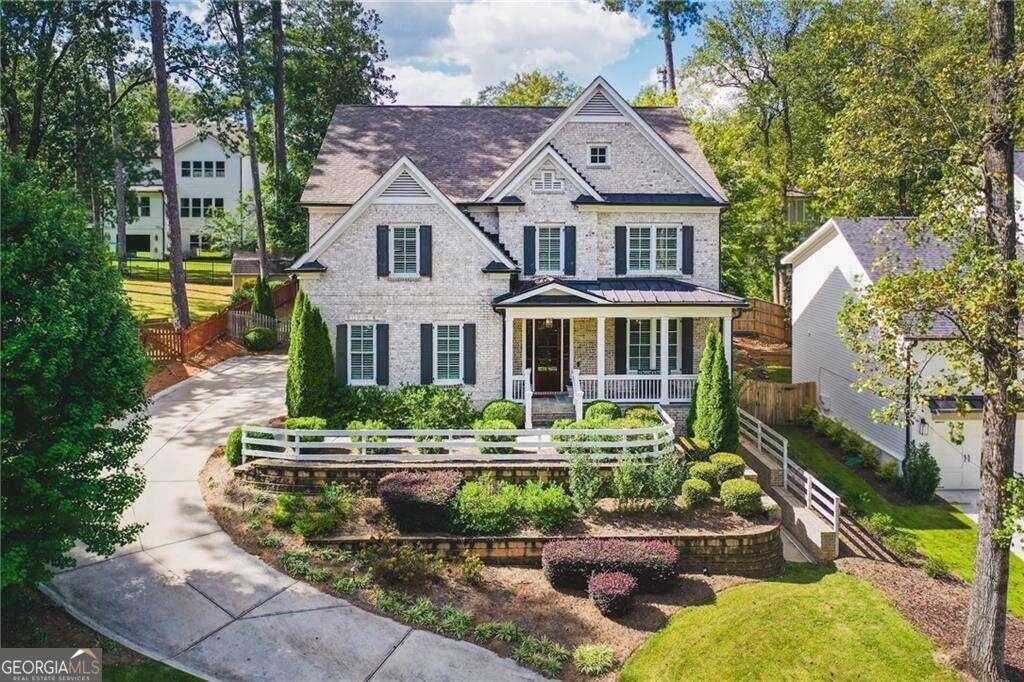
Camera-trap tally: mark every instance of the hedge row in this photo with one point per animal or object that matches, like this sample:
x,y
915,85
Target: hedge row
x,y
570,563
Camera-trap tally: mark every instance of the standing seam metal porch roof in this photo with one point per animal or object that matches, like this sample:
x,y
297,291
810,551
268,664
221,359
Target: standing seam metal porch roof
x,y
623,291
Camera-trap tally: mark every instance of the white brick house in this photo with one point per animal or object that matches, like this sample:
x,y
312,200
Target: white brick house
x,y
210,175
483,246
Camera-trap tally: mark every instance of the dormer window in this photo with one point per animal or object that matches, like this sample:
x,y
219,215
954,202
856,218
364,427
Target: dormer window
x,y
599,155
547,182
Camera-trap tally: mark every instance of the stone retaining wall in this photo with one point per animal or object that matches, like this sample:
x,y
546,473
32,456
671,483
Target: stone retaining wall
x,y
756,553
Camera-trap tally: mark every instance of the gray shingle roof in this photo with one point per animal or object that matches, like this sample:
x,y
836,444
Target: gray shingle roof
x,y
462,149
881,245
625,291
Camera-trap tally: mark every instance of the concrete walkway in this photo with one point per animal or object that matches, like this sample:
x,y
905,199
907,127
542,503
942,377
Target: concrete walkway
x,y
186,595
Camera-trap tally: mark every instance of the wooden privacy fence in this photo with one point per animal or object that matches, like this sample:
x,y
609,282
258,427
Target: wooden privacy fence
x,y
775,403
241,321
161,342
764,318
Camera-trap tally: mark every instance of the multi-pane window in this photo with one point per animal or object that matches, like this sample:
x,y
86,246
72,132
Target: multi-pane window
x,y
144,207
549,249
202,169
186,212
361,365
199,207
207,207
653,249
186,169
448,344
218,203
547,182
643,350
598,155
403,251
208,168
220,169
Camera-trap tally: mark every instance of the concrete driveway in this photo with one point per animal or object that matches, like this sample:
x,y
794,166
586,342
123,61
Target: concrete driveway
x,y
183,593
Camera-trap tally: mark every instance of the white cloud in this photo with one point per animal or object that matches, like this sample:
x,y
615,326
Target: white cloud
x,y
490,42
193,9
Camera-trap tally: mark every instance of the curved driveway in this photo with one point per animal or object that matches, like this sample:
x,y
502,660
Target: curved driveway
x,y
183,593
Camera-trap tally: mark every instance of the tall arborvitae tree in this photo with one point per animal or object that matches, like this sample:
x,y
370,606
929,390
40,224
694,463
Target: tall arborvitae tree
x,y
310,363
717,419
295,334
707,361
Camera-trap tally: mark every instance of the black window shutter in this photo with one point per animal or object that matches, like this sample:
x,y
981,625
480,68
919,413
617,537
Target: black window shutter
x,y
570,249
383,268
686,239
426,251
620,345
341,354
529,249
620,249
426,353
686,344
469,353
382,355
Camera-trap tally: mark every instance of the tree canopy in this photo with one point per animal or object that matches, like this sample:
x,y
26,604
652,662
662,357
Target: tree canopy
x,y
531,89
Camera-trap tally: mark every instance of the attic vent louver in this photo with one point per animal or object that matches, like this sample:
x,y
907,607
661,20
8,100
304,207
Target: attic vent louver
x,y
599,105
404,186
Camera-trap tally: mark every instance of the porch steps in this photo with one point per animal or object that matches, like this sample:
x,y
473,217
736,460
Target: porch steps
x,y
546,410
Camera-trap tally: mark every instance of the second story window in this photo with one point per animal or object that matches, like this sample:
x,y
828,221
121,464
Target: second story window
x,y
186,169
143,209
404,251
547,182
653,249
208,168
549,249
220,169
599,155
196,207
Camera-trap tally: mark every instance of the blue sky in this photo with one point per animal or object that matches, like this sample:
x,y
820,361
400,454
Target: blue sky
x,y
442,52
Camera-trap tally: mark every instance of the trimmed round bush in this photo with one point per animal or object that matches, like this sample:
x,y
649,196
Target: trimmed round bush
x,y
570,563
487,507
309,423
368,425
612,592
501,424
729,465
419,501
696,492
260,338
602,409
742,496
697,449
644,414
546,508
705,471
233,447
505,409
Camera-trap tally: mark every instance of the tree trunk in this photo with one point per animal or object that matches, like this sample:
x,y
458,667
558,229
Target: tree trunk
x,y
280,153
984,636
120,216
179,299
666,36
250,134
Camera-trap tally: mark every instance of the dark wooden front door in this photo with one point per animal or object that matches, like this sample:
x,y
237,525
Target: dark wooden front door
x,y
547,356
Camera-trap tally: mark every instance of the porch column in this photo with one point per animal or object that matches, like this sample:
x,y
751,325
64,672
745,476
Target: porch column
x,y
600,358
663,370
727,339
509,323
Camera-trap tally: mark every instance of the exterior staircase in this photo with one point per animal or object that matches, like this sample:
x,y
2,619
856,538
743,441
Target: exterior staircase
x,y
546,409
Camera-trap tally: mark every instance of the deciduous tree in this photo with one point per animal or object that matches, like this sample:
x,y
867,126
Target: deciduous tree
x,y
530,89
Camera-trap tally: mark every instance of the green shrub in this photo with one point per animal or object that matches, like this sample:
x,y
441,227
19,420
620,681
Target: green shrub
x,y
705,471
644,439
233,447
902,544
921,473
834,430
542,654
728,465
571,448
717,418
697,449
507,410
805,415
546,508
869,456
436,407
260,338
936,568
368,425
310,362
629,483
889,471
879,525
262,300
742,496
645,414
602,409
850,443
696,492
314,523
593,659
487,507
492,424
362,403
392,562
821,425
244,293
585,482
307,423
664,479
313,517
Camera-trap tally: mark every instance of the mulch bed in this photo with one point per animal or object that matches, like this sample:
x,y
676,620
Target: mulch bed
x,y
937,608
878,485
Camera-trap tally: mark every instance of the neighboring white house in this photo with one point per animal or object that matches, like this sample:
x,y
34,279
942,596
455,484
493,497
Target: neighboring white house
x,y
210,177
838,260
495,247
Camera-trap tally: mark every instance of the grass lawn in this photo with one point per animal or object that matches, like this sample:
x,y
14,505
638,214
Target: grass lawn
x,y
812,623
942,531
153,299
779,374
143,672
199,271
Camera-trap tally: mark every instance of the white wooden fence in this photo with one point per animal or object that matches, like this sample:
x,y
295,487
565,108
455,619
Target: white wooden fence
x,y
816,495
455,445
241,321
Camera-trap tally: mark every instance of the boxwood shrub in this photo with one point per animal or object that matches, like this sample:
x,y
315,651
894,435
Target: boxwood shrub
x,y
729,465
546,508
742,496
602,409
260,338
419,501
368,425
705,471
570,563
612,592
645,414
502,424
697,449
507,410
487,507
696,492
233,447
310,423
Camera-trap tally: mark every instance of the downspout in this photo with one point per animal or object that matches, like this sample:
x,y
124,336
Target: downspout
x,y
504,321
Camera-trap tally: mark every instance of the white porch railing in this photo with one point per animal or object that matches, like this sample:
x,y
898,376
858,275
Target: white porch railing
x,y
453,445
528,397
640,388
577,394
816,495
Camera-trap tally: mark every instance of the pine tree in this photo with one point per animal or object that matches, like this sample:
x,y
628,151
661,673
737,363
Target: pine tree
x,y
310,363
262,299
703,377
717,419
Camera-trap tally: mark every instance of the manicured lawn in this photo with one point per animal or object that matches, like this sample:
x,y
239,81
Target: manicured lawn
x,y
198,271
153,299
779,374
942,531
813,623
144,672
